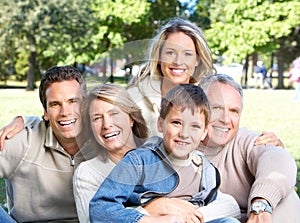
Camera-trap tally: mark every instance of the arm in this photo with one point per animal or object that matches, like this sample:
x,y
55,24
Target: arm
x,y
13,154
275,174
15,126
223,206
269,138
115,192
264,216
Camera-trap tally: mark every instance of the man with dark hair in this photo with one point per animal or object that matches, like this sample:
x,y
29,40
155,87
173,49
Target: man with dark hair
x,y
38,163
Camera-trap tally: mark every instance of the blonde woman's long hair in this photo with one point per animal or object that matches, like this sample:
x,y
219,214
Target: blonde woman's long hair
x,y
152,66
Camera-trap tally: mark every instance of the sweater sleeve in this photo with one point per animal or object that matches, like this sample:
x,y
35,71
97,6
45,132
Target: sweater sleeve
x,y
108,204
275,173
13,153
31,121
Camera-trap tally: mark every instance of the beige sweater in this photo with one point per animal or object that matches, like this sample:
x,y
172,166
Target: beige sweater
x,y
248,171
38,174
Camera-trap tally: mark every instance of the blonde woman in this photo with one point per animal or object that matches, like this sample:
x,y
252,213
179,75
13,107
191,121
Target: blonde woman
x,y
178,54
114,124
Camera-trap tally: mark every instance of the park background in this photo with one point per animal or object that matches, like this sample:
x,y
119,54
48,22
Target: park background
x,y
106,40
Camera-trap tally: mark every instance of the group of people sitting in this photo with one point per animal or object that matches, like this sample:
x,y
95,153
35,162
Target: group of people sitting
x,y
166,148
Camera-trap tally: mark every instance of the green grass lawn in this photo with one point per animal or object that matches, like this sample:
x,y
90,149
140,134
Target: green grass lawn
x,y
270,110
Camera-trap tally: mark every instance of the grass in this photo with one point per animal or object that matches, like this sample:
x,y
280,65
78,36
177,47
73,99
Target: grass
x,y
269,110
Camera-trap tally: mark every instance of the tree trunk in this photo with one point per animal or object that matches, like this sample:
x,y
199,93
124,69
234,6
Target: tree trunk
x,y
111,70
31,71
280,61
244,80
104,67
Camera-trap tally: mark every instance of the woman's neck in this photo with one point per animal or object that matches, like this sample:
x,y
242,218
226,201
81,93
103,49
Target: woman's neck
x,y
116,156
166,86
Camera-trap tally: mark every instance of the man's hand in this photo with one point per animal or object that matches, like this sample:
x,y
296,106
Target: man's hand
x,y
10,130
268,138
263,217
174,206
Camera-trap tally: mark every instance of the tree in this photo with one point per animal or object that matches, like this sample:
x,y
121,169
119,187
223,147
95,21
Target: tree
x,y
125,28
201,14
113,26
44,27
241,28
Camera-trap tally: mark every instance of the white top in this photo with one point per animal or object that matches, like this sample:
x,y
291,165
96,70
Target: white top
x,y
147,95
88,176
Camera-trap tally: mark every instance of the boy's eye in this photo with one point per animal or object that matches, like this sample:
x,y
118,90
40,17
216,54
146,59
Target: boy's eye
x,y
176,122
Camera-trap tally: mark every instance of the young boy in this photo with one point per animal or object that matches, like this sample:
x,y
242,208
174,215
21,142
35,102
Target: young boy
x,y
163,167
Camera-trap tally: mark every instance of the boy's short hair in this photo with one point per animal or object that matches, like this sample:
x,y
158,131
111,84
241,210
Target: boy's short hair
x,y
185,96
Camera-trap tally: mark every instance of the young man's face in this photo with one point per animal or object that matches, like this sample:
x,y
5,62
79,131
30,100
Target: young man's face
x,y
182,131
226,108
63,109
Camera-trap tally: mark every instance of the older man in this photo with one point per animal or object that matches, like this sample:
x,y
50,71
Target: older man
x,y
260,178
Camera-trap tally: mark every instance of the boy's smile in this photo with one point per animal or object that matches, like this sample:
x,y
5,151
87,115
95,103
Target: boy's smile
x,y
182,131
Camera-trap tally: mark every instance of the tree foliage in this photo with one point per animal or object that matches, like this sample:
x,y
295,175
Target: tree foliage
x,y
63,31
242,28
43,28
114,24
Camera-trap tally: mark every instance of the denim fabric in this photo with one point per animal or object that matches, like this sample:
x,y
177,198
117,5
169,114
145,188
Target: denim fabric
x,y
140,181
5,217
224,220
142,175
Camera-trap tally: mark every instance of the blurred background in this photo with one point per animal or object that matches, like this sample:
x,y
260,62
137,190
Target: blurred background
x,y
106,39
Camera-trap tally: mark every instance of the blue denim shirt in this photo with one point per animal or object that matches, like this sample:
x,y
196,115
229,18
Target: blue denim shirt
x,y
143,174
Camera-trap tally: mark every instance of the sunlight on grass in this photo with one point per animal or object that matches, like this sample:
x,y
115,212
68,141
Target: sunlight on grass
x,y
275,111
18,102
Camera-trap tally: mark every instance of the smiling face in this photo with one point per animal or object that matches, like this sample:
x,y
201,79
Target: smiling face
x,y
226,108
63,101
182,131
178,58
112,127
